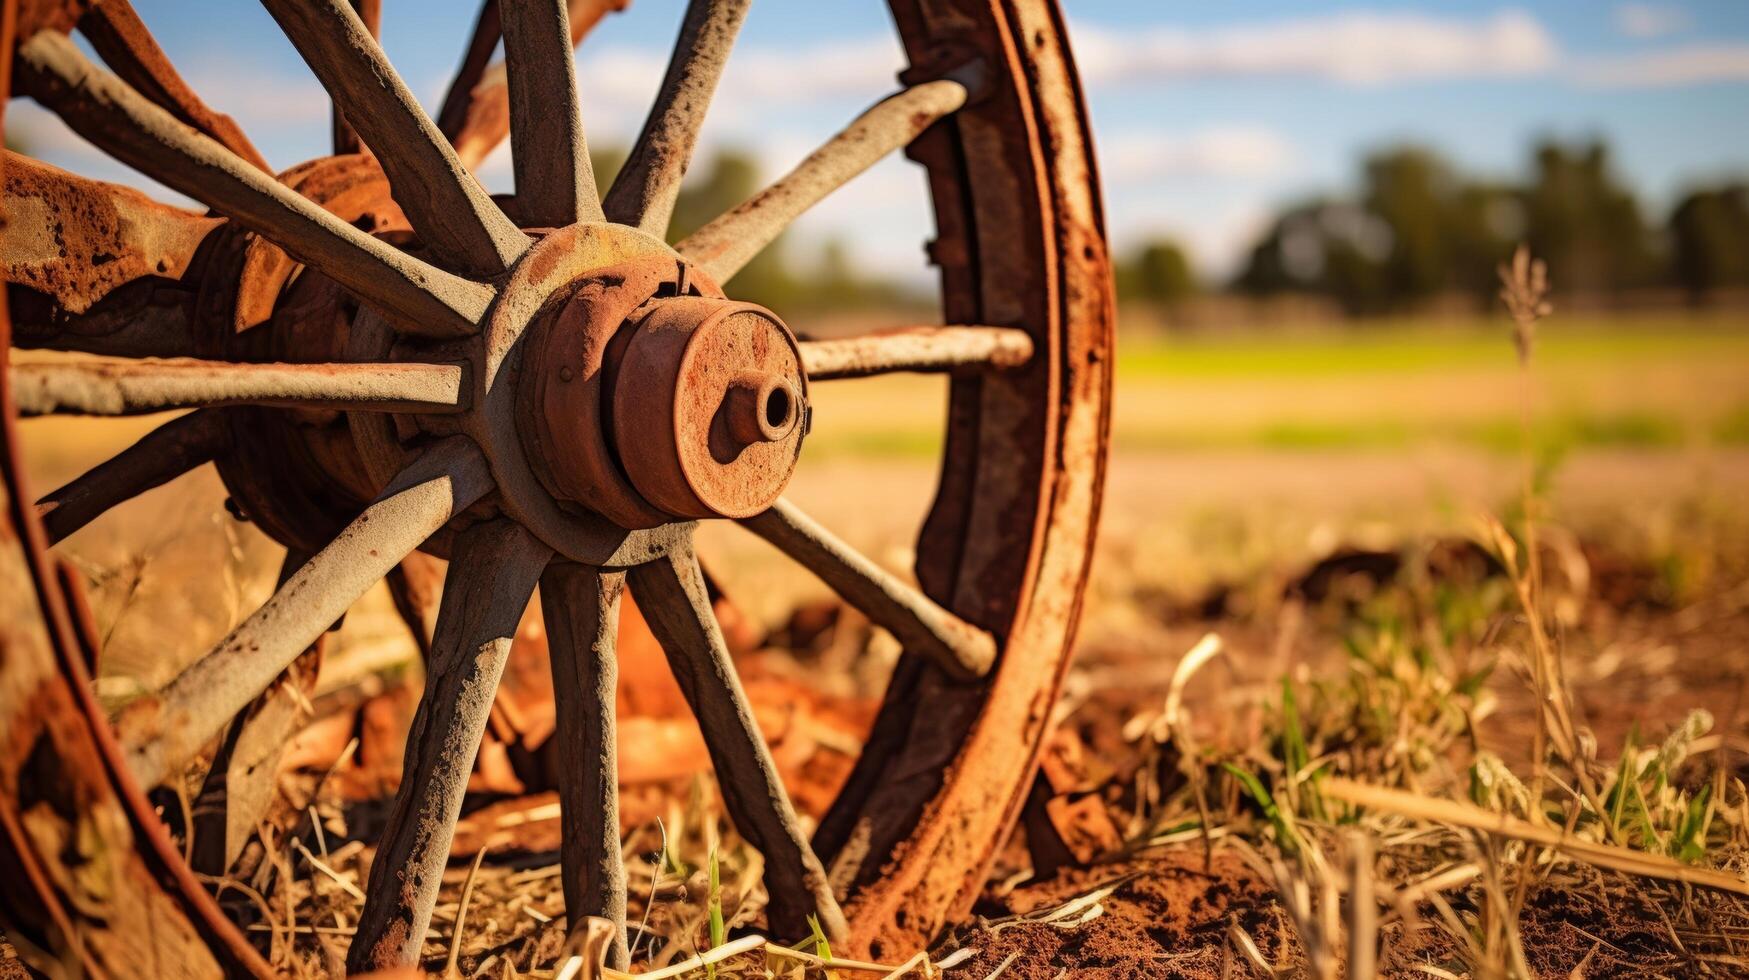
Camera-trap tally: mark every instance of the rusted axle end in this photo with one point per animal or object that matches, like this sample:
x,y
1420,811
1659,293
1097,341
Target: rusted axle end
x,y
652,407
706,407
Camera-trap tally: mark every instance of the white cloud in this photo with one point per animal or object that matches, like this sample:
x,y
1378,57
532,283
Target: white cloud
x,y
1690,64
1365,49
1648,20
615,86
1223,151
860,71
881,218
1360,48
619,83
779,102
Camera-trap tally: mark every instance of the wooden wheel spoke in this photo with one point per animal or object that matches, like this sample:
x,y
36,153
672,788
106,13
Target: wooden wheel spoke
x,y
922,626
100,107
370,14
492,573
121,39
581,607
449,209
672,596
476,110
160,456
732,240
243,780
161,731
921,349
461,103
555,185
122,386
648,185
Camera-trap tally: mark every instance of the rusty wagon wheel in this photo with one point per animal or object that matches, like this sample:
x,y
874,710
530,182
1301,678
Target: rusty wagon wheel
x,y
379,357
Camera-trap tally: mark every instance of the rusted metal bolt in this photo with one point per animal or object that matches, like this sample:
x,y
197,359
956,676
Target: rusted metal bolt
x,y
761,407
708,402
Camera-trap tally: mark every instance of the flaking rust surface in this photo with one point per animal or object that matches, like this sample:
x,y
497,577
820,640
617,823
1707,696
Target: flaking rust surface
x,y
50,15
77,240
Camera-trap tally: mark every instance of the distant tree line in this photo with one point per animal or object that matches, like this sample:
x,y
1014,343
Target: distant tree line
x,y
774,278
1156,272
1417,229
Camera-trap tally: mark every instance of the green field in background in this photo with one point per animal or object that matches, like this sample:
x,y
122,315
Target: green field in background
x,y
1663,381
1668,382
1389,346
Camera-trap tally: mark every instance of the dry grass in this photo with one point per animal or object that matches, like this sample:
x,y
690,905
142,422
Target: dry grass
x,y
1412,766
1396,842
1423,681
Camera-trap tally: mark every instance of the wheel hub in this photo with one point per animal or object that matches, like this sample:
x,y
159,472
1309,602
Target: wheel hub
x,y
647,399
707,400
616,395
617,382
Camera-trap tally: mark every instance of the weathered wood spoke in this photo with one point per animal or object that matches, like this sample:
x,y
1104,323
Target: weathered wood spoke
x,y
581,606
476,110
370,14
492,573
644,193
671,594
161,731
555,185
243,779
460,102
124,386
121,39
160,456
963,650
449,209
732,240
419,297
920,349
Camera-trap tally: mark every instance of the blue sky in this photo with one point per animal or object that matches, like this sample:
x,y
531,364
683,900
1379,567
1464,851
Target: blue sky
x,y
1207,115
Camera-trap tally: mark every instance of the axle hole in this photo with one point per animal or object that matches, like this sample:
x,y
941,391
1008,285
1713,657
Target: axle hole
x,y
778,407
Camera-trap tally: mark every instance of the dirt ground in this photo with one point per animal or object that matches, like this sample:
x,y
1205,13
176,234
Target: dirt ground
x,y
1279,553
